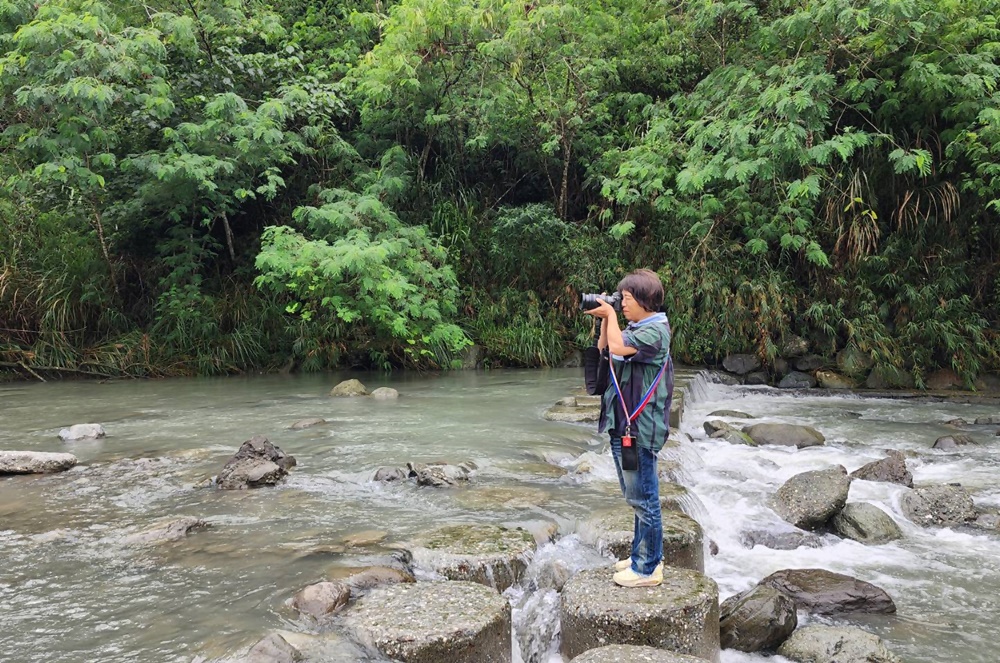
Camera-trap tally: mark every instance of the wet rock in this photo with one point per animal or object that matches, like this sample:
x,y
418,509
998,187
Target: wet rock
x,y
389,474
866,523
568,401
307,423
797,380
891,469
586,400
322,599
836,644
758,619
349,389
757,377
515,497
823,592
82,432
359,580
273,649
794,346
943,379
956,422
942,506
676,409
808,500
723,378
440,475
987,421
385,394
713,426
808,363
831,380
741,364
889,378
633,654
732,414
854,361
573,415
433,622
733,436
368,537
170,529
611,533
486,554
35,462
989,522
785,435
780,540
257,463
952,442
681,615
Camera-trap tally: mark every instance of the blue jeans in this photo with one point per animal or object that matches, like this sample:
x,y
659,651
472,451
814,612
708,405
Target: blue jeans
x,y
642,492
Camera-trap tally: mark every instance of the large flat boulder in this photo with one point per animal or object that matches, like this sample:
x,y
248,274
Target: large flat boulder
x,y
823,592
490,555
836,644
680,615
683,540
35,462
434,622
785,435
808,500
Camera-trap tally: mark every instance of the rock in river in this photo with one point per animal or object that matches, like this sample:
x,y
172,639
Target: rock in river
x,y
823,592
836,644
349,388
785,435
633,654
82,432
866,523
891,469
487,554
758,619
34,462
681,615
942,506
434,622
257,463
808,500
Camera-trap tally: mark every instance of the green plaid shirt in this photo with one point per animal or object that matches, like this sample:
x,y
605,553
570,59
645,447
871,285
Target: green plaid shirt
x,y
651,339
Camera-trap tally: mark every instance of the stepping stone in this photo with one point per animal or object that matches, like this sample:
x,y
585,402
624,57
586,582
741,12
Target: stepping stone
x,y
487,554
633,654
681,615
434,622
35,462
683,543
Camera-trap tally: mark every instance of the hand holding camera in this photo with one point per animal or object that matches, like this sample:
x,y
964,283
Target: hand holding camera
x,y
601,306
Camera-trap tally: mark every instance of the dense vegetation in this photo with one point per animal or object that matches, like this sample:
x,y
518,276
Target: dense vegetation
x,y
212,186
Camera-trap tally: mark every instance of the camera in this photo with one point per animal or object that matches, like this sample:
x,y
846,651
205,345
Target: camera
x,y
590,301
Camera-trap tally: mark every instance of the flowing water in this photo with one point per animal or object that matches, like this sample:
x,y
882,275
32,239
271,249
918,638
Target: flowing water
x,y
72,589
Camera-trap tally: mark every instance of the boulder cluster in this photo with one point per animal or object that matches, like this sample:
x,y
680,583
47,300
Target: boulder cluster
x,y
797,367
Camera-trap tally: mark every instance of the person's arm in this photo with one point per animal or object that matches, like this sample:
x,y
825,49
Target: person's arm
x,y
611,333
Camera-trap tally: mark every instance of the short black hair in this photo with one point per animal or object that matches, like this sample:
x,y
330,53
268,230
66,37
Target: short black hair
x,y
646,288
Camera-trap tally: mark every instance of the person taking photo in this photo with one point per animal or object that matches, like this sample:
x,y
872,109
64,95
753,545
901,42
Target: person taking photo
x,y
635,412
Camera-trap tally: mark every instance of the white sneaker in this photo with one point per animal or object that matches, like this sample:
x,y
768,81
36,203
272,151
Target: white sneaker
x,y
629,578
626,563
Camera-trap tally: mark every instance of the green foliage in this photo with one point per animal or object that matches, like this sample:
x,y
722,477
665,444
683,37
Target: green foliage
x,y
384,286
211,186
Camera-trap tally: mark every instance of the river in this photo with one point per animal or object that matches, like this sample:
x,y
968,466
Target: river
x,y
71,590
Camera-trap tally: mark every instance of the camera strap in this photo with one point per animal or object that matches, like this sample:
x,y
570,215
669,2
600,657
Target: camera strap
x,y
648,396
